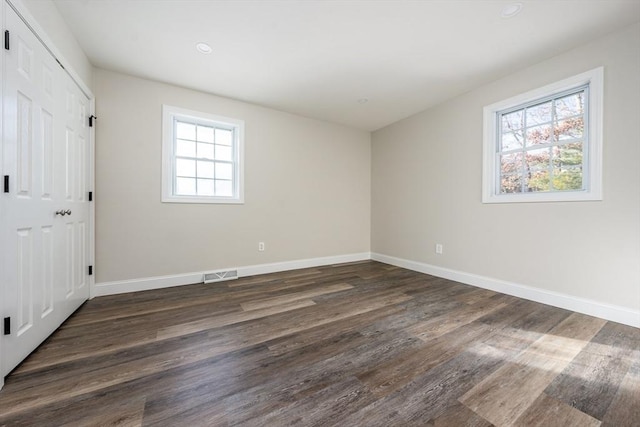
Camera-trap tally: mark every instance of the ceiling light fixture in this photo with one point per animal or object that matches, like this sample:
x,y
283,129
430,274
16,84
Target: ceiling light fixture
x,y
511,10
203,48
363,100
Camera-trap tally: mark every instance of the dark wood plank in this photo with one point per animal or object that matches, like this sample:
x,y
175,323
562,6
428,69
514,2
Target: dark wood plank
x,y
432,393
590,382
499,397
458,415
624,410
351,344
547,411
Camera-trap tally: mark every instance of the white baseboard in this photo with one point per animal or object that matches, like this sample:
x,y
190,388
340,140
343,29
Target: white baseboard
x,y
158,282
614,313
302,263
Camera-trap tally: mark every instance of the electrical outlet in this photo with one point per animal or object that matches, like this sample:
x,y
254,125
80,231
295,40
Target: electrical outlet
x,y
261,246
439,248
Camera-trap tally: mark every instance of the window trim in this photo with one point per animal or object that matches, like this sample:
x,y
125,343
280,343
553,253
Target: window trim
x,y
592,149
169,116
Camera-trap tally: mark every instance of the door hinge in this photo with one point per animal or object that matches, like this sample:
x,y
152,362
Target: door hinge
x,y
7,326
6,39
91,196
92,118
91,270
6,183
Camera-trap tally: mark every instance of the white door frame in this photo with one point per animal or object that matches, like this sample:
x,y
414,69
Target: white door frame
x,y
31,22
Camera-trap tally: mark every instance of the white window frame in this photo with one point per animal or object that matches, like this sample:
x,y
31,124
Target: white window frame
x,y
592,158
169,116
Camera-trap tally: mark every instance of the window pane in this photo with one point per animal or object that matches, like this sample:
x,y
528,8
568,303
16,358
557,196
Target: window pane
x,y
204,160
224,188
567,155
569,106
538,159
205,151
185,167
223,152
569,129
538,181
206,187
512,140
511,184
185,148
511,163
513,121
567,179
205,170
538,135
205,134
185,186
539,114
224,171
551,128
224,137
185,131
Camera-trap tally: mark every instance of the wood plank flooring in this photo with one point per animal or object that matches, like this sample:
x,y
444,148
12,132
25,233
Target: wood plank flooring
x,y
360,344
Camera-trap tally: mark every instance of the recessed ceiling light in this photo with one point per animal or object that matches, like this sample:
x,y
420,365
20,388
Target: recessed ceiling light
x,y
511,10
363,100
203,48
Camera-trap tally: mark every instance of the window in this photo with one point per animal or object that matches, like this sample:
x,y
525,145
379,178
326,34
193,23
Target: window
x,y
546,145
201,157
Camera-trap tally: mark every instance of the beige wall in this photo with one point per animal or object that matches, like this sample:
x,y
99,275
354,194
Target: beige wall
x,y
46,14
307,187
427,177
425,186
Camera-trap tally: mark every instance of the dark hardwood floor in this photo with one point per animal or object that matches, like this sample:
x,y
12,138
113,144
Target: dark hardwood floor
x,y
363,344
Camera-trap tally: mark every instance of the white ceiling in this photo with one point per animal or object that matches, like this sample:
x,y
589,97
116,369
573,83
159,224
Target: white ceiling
x,y
318,58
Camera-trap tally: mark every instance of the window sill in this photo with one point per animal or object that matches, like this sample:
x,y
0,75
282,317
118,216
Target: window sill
x,y
575,196
203,200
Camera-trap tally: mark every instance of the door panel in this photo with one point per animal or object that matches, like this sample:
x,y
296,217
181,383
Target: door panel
x,y
47,271
24,280
44,151
68,165
69,260
81,255
24,145
47,154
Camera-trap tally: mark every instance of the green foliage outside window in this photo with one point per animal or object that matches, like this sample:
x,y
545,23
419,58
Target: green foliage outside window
x,y
542,146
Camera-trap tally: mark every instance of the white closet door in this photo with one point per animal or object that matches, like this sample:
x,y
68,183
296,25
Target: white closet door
x,y
45,143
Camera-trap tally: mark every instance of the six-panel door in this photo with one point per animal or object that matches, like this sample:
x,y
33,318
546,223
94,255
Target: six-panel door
x,y
45,227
